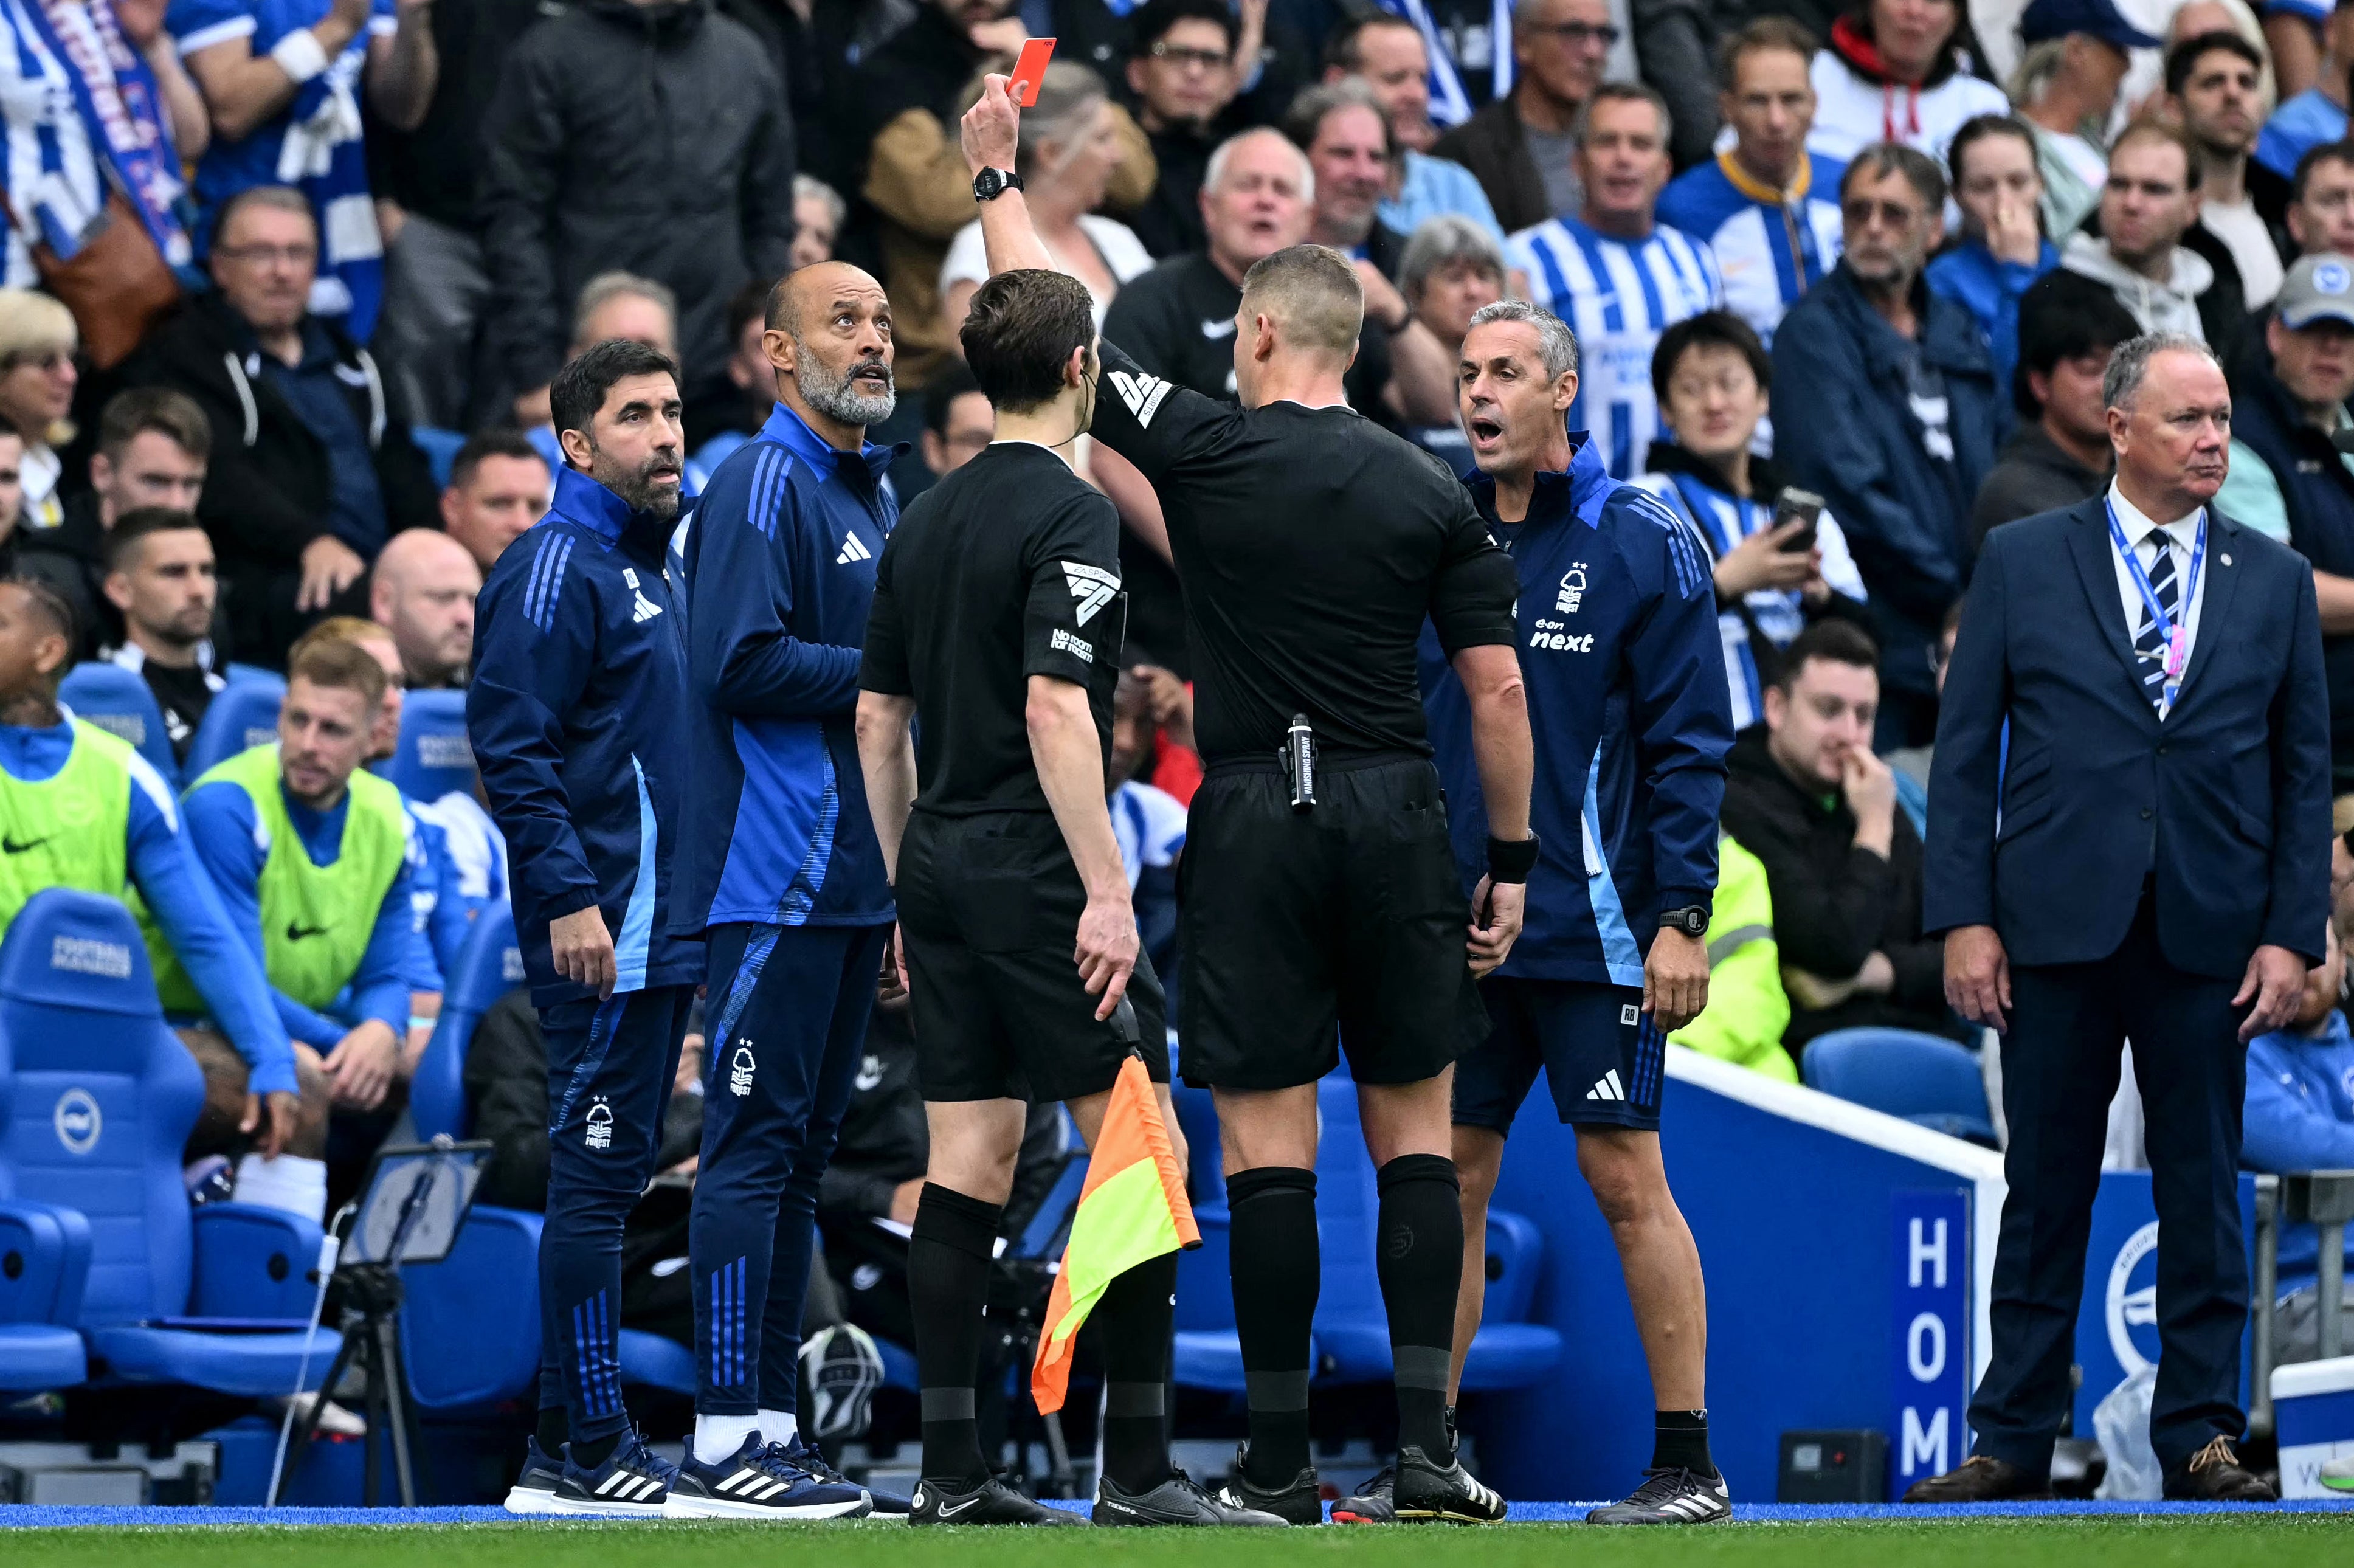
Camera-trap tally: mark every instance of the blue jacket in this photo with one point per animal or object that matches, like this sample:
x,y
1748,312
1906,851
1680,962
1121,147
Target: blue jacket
x,y
1989,288
2045,719
2300,1117
1860,445
578,716
779,563
1626,697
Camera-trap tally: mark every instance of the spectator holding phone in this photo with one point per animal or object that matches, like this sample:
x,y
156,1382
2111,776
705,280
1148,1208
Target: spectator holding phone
x,y
1777,572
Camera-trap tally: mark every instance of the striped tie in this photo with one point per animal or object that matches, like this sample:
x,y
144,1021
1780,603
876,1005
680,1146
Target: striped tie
x,y
2148,646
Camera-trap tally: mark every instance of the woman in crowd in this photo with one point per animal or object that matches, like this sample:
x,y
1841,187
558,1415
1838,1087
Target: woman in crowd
x,y
38,375
1897,71
1451,267
1710,373
2003,249
1070,144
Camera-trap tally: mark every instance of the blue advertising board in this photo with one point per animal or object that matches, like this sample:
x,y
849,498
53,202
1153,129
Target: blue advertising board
x,y
1929,1297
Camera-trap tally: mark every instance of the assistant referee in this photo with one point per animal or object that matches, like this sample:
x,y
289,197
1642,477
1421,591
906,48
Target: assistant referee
x,y
997,623
1312,546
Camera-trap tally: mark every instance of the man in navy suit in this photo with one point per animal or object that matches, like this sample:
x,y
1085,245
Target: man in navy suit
x,y
2149,863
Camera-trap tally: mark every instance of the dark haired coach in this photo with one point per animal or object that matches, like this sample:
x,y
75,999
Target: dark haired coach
x,y
997,620
1312,546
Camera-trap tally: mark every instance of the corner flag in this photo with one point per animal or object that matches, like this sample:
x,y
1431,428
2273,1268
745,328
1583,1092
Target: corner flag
x,y
1131,1209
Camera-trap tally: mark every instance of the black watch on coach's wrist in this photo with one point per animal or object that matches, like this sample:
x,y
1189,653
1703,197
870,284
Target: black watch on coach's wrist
x,y
1691,920
990,184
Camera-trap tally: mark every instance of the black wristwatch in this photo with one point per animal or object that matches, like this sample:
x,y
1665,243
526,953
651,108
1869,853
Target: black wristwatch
x,y
990,184
1691,920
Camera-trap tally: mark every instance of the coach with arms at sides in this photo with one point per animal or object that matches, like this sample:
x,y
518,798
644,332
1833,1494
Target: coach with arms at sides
x,y
2150,863
1312,546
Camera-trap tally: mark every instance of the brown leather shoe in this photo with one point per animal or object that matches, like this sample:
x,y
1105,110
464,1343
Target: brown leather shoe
x,y
1980,1479
2216,1475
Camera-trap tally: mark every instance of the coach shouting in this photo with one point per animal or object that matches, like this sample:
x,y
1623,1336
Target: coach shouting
x,y
2150,863
1312,544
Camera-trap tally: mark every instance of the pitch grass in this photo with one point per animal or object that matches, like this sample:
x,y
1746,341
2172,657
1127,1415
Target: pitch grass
x,y
2261,1541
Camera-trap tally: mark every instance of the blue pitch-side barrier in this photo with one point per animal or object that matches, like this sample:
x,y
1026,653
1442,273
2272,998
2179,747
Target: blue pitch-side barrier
x,y
29,1516
1848,1255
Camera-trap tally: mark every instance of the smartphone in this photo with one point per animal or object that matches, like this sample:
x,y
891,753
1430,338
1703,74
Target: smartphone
x,y
1795,505
1029,70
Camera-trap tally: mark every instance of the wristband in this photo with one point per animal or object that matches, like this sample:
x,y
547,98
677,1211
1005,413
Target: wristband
x,y
1511,861
299,55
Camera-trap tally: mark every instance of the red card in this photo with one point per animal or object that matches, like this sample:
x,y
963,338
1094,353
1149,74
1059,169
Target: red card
x,y
1029,71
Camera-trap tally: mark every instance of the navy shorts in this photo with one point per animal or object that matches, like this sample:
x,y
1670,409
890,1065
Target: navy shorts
x,y
1602,1054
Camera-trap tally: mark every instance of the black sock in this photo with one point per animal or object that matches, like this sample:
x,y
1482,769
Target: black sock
x,y
591,1452
948,1288
1134,1314
1681,1442
553,1431
1272,1260
1420,1260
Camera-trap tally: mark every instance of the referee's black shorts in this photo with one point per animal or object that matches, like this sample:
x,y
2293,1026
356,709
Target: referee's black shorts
x,y
1348,917
990,908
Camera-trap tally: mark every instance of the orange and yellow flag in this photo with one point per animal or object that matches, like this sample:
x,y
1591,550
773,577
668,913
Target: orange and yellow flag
x,y
1132,1209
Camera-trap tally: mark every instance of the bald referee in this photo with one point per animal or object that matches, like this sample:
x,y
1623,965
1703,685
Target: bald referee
x,y
1312,546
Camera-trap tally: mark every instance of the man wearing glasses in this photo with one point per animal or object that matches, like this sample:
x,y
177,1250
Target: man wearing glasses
x,y
1198,79
1900,394
1523,147
311,473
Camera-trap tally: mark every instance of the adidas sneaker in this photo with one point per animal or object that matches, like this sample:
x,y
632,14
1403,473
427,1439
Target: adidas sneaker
x,y
633,1482
1427,1492
1671,1496
890,1507
535,1490
761,1481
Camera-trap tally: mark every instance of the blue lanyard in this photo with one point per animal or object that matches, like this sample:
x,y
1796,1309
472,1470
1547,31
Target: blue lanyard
x,y
2175,637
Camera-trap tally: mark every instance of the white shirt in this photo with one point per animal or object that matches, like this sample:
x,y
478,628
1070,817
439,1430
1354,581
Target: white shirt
x,y
1121,252
2251,244
2182,537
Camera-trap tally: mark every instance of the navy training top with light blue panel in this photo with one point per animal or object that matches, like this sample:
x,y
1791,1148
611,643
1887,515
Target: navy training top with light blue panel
x,y
579,717
1628,703
779,563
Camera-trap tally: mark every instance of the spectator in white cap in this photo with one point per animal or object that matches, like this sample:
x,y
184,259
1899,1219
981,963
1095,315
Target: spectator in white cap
x,y
2286,406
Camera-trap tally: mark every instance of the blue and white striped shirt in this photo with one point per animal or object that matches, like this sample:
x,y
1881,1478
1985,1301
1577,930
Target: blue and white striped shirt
x,y
1617,296
1770,245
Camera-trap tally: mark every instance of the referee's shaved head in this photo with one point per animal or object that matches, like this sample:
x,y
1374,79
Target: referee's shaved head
x,y
1311,295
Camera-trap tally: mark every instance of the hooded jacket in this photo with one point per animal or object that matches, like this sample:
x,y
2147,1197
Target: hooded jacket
x,y
2171,306
1867,452
270,485
1627,700
1859,102
655,139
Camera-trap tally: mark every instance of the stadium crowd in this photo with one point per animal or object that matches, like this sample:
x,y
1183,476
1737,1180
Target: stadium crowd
x,y
287,283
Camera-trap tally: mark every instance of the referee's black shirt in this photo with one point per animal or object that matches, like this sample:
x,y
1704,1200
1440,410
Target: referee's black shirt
x,y
1009,567
1313,544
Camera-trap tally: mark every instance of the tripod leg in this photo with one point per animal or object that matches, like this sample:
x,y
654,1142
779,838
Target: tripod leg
x,y
306,1423
372,1401
388,1355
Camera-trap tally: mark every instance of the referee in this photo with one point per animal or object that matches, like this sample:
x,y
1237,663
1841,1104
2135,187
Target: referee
x,y
997,620
1312,546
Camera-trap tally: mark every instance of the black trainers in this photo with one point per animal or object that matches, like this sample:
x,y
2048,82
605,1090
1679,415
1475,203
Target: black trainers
x,y
1301,1502
633,1482
1176,1500
888,1506
1375,1502
535,1490
992,1502
1428,1491
1671,1496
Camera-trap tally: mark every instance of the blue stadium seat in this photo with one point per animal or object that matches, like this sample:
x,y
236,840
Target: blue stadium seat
x,y
433,758
440,449
1926,1079
104,1098
489,966
117,700
236,673
243,715
44,1266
